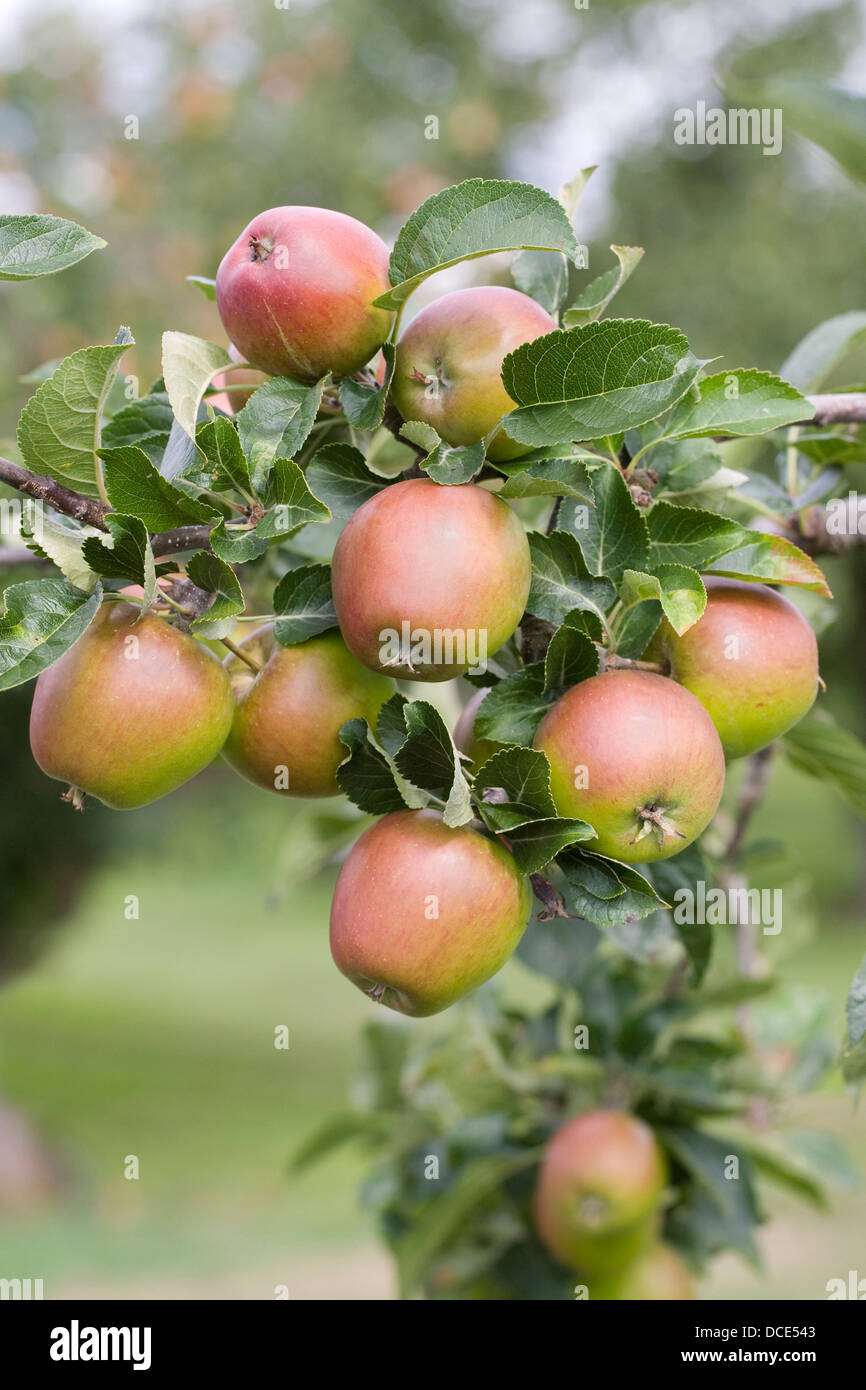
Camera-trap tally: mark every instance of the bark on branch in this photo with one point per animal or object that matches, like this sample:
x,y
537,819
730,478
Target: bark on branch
x,y
92,512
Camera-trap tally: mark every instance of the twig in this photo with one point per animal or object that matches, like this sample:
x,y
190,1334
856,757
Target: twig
x,y
751,795
92,512
244,656
62,499
848,407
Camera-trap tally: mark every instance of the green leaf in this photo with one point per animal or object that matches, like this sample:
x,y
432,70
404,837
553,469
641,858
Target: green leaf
x,y
550,477
680,591
41,620
560,949
336,1131
59,428
829,448
686,465
33,244
561,580
453,465
745,401
64,546
366,775
513,710
146,422
420,433
363,404
339,477
535,843
189,365
128,557
275,423
719,1212
773,560
207,287
586,383
435,1224
614,537
428,759
136,487
572,655
604,892
833,118
823,349
825,1155
635,628
290,501
591,303
303,604
689,536
216,577
543,275
225,461
822,748
524,775
474,218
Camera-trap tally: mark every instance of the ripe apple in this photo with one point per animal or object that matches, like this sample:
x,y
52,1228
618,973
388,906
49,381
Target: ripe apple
x,y
422,913
131,711
657,1275
448,370
598,1190
465,737
429,580
285,733
751,659
638,757
295,293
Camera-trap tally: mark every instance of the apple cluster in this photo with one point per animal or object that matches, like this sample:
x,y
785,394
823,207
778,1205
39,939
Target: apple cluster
x,y
424,911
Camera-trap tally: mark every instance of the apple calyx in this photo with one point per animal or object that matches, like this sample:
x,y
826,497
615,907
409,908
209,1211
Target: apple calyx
x,y
75,797
653,820
592,1209
434,382
260,248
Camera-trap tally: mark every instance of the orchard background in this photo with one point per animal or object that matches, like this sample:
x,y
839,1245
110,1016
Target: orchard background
x,y
146,1036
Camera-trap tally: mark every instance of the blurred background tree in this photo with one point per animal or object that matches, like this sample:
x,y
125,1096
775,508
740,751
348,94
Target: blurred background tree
x,y
164,127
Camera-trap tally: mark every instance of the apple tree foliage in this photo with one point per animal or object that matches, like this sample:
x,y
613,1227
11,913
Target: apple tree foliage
x,y
630,499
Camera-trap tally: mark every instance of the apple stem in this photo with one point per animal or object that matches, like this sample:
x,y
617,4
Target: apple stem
x,y
239,652
611,662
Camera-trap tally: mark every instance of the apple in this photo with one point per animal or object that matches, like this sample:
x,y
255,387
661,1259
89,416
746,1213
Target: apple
x,y
657,1275
429,580
130,712
465,737
285,732
598,1190
295,293
423,914
638,757
448,370
751,659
